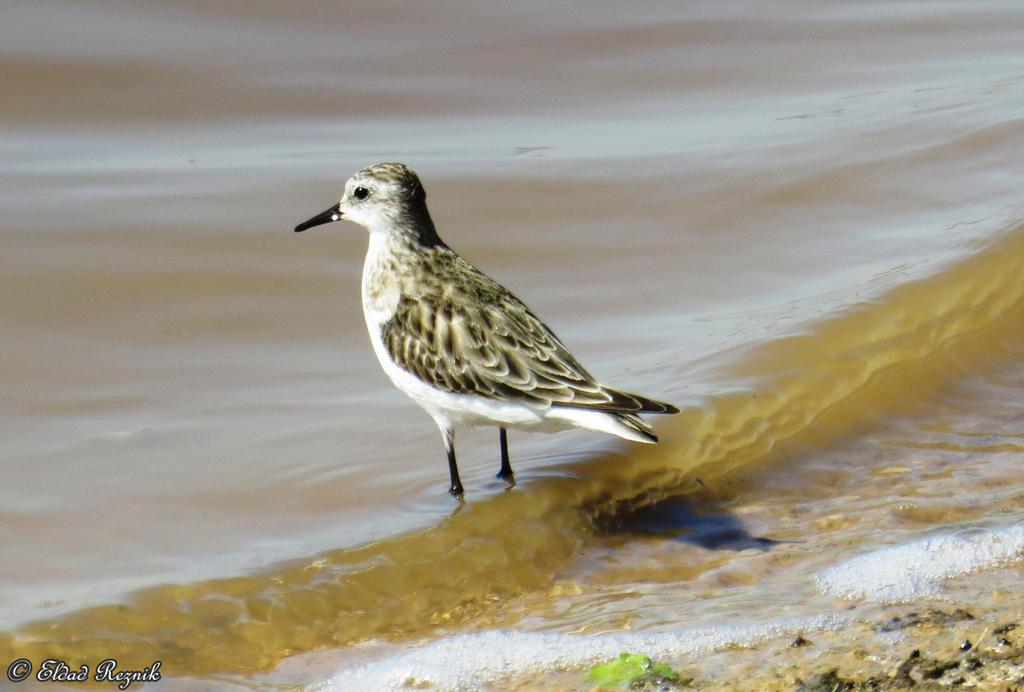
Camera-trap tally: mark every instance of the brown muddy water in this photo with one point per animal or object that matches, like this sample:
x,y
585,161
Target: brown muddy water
x,y
802,223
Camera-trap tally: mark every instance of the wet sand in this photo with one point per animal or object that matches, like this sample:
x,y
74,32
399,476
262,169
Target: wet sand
x,y
925,646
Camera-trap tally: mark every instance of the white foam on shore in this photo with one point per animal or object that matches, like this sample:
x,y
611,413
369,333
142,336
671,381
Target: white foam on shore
x,y
907,571
471,660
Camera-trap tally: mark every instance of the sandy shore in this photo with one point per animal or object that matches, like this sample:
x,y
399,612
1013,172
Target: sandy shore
x,y
971,635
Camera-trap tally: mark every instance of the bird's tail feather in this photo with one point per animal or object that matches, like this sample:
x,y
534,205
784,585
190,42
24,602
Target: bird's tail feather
x,y
624,425
639,425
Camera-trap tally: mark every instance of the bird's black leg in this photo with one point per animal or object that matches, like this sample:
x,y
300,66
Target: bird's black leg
x,y
506,468
453,468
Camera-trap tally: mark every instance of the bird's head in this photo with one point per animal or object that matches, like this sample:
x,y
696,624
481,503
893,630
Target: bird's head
x,y
378,198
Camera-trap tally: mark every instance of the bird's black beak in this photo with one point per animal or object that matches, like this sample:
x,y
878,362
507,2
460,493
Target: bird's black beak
x,y
331,214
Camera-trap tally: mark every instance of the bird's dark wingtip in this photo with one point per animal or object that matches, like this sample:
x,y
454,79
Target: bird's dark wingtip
x,y
652,406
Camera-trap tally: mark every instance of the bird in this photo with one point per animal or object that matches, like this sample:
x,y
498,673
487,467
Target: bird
x,y
456,341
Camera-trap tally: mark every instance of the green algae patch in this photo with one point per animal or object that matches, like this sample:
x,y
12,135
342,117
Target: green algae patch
x,y
633,670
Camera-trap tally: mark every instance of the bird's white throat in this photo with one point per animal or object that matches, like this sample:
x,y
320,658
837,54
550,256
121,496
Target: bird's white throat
x,y
381,286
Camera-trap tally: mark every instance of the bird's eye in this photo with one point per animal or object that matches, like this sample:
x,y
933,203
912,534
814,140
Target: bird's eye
x,y
361,193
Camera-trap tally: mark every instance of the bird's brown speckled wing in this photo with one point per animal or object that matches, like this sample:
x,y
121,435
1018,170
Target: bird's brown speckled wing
x,y
479,339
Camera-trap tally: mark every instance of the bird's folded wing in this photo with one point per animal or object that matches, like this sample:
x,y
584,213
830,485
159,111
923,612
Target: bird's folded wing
x,y
497,350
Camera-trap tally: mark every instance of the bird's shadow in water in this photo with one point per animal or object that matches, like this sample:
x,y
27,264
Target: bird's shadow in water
x,y
684,520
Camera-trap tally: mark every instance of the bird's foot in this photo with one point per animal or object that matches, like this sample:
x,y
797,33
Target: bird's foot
x,y
456,491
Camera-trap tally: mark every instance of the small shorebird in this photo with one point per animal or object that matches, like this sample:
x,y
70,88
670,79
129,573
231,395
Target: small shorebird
x,y
457,342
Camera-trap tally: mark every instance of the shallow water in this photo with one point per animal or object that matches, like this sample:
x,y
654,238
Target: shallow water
x,y
802,226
